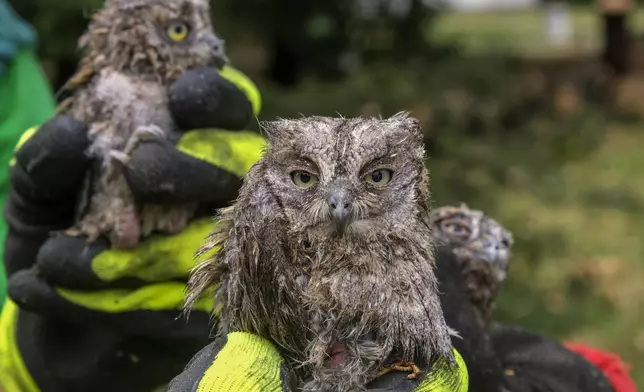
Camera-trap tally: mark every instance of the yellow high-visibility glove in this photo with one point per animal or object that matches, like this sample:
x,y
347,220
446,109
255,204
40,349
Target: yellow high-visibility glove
x,y
84,317
242,362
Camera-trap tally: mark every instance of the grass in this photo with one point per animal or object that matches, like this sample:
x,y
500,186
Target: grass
x,y
578,268
578,263
586,284
523,31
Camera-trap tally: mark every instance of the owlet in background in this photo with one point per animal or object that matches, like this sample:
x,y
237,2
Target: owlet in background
x,y
132,51
473,254
482,248
327,252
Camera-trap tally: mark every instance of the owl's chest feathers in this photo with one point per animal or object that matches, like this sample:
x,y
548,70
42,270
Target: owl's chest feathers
x,y
115,105
481,287
365,279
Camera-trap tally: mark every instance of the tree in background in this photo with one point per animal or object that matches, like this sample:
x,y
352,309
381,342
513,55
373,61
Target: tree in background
x,y
325,38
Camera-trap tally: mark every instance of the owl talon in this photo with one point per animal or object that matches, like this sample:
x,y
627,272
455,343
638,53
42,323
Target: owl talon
x,y
120,156
73,232
402,366
143,133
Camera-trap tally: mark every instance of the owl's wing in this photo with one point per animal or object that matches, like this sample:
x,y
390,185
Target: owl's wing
x,y
252,267
80,79
211,258
242,248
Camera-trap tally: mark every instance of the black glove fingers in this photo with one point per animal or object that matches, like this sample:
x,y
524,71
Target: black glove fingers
x,y
70,357
193,372
542,364
33,294
189,379
67,261
20,250
45,180
159,173
201,98
51,165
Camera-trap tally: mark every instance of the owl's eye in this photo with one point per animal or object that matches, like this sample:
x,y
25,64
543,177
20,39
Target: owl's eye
x,y
457,229
178,32
304,179
379,177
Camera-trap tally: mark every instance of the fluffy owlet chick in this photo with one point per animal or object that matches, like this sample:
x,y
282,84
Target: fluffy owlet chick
x,y
132,50
482,248
326,251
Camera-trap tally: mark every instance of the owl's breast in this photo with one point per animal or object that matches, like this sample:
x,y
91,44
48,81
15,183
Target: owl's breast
x,y
120,103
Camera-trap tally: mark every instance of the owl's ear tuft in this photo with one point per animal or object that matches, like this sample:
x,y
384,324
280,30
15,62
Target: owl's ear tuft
x,y
411,124
401,116
274,130
282,131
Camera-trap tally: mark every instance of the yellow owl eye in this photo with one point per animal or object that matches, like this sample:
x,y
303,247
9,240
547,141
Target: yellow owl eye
x,y
304,179
379,177
178,32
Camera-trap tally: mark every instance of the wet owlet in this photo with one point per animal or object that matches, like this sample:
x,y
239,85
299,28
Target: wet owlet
x,y
132,51
482,248
327,252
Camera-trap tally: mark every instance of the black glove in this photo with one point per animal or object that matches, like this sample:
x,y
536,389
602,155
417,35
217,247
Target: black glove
x,y
90,318
534,363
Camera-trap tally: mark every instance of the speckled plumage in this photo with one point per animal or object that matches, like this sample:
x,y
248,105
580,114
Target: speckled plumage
x,y
119,90
339,303
482,248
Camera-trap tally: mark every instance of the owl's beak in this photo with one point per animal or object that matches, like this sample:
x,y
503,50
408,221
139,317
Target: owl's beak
x,y
340,202
218,46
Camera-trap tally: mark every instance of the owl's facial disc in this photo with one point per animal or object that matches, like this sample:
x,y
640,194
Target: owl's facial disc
x,y
340,200
475,238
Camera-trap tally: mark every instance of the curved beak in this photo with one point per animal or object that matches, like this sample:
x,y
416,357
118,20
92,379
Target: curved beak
x,y
218,46
340,201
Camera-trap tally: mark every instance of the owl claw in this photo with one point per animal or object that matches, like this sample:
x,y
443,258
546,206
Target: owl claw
x,y
402,366
120,156
143,133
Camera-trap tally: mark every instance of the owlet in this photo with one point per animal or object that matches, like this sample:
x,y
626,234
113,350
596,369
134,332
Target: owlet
x,y
132,51
327,252
482,248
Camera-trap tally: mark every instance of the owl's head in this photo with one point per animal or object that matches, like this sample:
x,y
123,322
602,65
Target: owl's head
x,y
347,177
161,38
473,237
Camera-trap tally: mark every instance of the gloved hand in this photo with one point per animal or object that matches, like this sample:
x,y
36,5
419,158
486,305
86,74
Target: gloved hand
x,y
536,363
244,362
91,318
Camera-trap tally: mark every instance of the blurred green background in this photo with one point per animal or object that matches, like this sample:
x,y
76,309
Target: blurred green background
x,y
540,136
